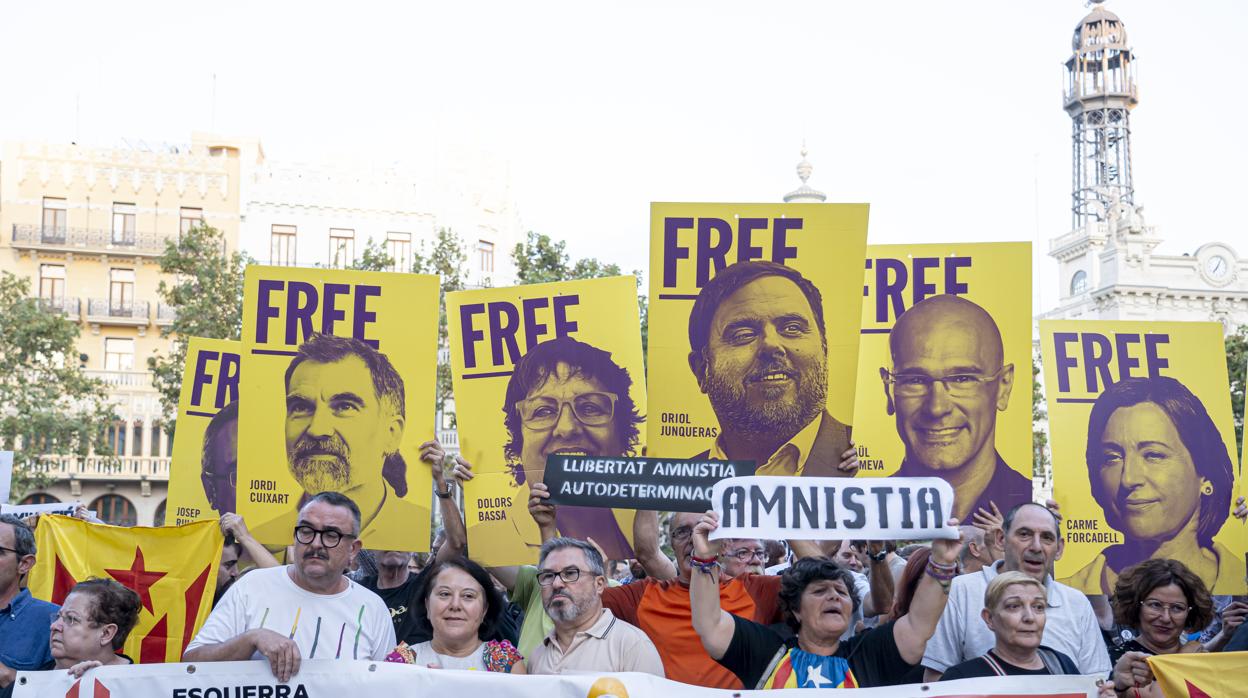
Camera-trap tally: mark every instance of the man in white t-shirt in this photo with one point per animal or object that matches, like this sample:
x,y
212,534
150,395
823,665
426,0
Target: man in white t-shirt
x,y
308,609
1032,540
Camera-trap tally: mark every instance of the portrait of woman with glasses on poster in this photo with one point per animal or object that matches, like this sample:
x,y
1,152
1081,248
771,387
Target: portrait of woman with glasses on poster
x,y
561,364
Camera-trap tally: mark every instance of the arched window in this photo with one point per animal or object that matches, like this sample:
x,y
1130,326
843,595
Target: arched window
x,y
159,519
1079,283
39,498
115,509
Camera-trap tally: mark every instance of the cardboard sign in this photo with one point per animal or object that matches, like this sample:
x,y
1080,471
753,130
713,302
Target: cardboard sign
x,y
753,340
1143,450
203,473
544,369
962,313
336,389
891,508
653,484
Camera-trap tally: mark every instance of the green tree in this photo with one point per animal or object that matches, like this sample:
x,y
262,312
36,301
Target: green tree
x,y
48,405
373,258
447,259
1039,415
540,259
206,293
1236,367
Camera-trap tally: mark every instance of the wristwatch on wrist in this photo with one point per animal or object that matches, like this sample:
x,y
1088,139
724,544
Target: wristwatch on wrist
x,y
878,557
450,488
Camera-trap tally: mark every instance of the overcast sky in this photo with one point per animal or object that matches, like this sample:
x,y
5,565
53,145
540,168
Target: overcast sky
x,y
946,117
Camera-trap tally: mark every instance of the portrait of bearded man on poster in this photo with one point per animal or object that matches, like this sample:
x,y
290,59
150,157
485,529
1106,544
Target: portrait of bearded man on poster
x,y
345,416
758,347
566,397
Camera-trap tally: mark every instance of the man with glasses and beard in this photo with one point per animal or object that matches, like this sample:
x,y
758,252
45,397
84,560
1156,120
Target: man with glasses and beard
x,y
345,417
586,636
949,381
219,459
566,397
759,350
305,610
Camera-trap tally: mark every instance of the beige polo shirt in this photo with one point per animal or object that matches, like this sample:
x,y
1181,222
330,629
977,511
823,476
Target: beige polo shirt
x,y
608,645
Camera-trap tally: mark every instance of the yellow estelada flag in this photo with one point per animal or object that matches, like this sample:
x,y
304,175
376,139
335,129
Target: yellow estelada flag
x,y
1201,675
173,569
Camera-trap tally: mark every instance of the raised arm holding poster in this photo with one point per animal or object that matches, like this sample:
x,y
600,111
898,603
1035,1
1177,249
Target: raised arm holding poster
x,y
338,379
541,370
754,314
203,475
944,369
1142,434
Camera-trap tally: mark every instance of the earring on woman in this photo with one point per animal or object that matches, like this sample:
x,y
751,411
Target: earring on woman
x,y
1206,489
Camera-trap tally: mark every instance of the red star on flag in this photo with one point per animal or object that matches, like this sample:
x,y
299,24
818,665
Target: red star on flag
x,y
138,578
1194,692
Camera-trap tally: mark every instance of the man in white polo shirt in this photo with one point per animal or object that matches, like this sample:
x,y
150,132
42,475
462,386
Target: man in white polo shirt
x,y
1032,541
586,637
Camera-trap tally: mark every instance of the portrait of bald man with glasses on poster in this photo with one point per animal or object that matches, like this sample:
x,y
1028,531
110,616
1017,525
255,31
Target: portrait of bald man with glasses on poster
x,y
947,383
567,397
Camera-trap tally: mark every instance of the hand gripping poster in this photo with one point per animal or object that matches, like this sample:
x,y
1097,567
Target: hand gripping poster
x,y
754,318
203,475
337,394
1143,443
542,370
944,369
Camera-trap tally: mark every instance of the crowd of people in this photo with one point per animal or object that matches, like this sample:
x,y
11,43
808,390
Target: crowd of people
x,y
728,613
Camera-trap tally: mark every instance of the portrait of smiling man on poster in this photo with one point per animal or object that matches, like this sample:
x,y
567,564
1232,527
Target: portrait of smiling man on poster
x,y
947,383
758,348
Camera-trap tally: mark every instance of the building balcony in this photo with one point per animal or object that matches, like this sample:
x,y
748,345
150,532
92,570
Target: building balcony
x,y
38,238
130,381
105,468
449,438
165,315
69,307
105,311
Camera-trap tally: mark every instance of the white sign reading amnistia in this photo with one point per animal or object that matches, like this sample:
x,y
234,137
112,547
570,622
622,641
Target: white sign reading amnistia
x,y
21,510
328,677
887,508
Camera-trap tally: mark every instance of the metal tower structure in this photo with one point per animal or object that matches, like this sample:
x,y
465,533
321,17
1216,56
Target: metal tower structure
x,y
1099,96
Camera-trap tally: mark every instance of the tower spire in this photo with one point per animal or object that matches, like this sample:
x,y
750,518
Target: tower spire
x,y
1099,96
804,193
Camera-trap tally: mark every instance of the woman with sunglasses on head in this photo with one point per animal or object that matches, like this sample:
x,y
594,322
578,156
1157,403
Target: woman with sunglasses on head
x,y
1159,600
92,626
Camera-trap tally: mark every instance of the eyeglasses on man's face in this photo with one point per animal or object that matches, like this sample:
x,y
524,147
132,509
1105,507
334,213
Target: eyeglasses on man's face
x,y
230,476
913,384
591,409
330,538
746,554
569,575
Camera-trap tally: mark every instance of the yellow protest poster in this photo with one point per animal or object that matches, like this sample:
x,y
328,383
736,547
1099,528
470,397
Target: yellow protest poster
x,y
203,474
538,370
944,369
1143,442
753,340
337,386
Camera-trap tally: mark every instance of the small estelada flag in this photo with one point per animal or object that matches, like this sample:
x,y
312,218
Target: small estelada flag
x,y
1201,675
173,569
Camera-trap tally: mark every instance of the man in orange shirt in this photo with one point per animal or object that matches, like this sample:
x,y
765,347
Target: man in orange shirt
x,y
661,607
